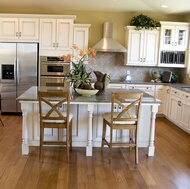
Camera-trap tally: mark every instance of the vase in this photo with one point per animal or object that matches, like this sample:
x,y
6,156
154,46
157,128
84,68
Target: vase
x,y
101,82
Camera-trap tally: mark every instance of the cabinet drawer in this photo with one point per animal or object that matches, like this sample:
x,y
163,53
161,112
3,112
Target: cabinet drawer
x,y
149,89
142,87
175,92
185,96
116,86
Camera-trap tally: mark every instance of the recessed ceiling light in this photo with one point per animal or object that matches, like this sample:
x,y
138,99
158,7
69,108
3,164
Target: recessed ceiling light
x,y
164,6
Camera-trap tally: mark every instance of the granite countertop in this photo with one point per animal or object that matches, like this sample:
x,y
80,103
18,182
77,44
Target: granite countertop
x,y
179,86
31,95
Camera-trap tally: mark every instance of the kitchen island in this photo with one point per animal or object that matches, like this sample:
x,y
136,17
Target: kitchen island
x,y
87,120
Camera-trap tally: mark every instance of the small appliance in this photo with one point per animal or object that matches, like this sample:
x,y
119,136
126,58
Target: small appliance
x,y
167,76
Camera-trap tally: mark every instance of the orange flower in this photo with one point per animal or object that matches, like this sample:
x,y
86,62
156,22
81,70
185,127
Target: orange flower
x,y
79,55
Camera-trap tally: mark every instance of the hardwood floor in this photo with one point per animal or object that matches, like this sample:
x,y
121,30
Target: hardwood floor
x,y
168,169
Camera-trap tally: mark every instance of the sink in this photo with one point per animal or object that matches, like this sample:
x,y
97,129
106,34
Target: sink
x,y
186,88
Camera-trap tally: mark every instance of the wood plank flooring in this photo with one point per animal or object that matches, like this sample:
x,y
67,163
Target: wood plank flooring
x,y
168,169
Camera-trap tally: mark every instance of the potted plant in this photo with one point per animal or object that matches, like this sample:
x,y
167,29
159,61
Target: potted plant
x,y
142,21
78,76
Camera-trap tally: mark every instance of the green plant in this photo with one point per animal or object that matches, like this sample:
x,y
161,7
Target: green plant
x,y
78,76
142,21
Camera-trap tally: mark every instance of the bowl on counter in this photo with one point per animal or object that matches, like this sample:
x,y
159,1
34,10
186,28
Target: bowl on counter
x,y
85,92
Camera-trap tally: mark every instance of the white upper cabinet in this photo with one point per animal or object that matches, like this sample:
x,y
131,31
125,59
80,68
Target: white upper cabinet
x,y
56,34
174,41
19,29
174,35
80,35
142,47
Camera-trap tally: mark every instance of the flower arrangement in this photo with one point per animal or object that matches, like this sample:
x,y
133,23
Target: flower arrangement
x,y
78,75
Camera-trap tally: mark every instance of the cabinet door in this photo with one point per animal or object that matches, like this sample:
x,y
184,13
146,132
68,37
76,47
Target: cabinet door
x,y
174,37
184,117
173,111
181,37
64,34
135,47
28,28
167,97
47,33
167,36
80,35
160,94
9,28
150,53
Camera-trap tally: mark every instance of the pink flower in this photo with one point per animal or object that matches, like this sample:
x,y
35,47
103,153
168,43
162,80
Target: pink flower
x,y
79,55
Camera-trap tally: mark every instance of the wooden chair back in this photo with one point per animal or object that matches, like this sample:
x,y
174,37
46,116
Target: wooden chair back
x,y
50,104
129,105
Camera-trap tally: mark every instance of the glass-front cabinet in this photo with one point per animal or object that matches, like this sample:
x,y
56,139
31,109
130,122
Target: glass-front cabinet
x,y
174,44
174,36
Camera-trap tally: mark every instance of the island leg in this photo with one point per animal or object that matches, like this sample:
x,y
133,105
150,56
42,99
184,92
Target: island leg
x,y
151,147
89,130
25,147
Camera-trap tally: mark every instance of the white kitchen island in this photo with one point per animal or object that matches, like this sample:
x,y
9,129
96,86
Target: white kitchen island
x,y
87,120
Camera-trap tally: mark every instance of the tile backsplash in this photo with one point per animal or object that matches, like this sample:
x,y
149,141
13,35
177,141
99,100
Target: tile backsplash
x,y
113,64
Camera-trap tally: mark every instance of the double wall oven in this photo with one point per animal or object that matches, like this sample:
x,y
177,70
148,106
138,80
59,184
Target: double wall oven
x,y
53,72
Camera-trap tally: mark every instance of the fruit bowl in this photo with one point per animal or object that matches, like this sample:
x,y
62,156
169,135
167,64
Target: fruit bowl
x,y
85,92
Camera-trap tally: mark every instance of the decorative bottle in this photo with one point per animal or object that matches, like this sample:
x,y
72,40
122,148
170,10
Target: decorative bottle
x,y
128,77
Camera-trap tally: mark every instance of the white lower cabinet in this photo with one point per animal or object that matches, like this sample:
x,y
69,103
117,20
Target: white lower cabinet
x,y
179,109
174,108
184,118
162,93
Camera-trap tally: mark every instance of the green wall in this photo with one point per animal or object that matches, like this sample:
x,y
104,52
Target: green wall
x,y
119,19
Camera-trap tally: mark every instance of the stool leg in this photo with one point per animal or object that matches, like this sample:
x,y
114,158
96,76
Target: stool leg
x,y
2,122
41,142
103,134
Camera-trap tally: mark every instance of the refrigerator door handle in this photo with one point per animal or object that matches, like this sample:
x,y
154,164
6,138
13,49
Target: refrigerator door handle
x,y
15,70
18,72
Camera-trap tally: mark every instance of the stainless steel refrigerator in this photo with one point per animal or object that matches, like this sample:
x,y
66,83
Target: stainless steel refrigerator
x,y
18,72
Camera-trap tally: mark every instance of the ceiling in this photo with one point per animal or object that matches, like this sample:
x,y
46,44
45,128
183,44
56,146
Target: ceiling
x,y
51,6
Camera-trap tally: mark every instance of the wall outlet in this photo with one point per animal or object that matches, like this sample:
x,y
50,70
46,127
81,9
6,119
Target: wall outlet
x,y
115,107
119,109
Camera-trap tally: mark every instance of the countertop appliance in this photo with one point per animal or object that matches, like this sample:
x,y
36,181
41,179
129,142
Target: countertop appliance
x,y
167,76
18,72
53,71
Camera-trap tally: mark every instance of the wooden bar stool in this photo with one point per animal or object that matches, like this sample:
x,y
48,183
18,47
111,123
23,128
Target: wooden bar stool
x,y
52,117
127,119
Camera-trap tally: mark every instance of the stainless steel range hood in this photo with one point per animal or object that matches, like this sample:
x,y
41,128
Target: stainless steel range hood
x,y
108,44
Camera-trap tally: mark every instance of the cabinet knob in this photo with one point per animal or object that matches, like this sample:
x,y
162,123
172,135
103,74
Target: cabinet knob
x,y
179,103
